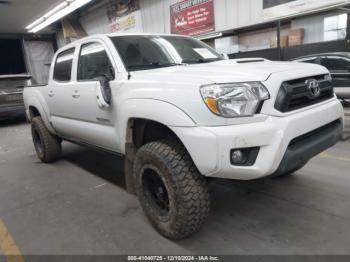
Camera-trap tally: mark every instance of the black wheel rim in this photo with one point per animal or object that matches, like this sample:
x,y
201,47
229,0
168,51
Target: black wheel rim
x,y
38,144
155,190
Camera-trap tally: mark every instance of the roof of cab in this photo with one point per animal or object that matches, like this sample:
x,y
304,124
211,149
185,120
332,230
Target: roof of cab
x,y
101,36
141,34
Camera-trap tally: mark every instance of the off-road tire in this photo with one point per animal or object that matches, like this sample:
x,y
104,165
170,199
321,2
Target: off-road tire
x,y
187,189
47,146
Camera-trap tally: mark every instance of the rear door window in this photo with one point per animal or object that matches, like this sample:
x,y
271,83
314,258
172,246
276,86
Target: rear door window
x,y
63,66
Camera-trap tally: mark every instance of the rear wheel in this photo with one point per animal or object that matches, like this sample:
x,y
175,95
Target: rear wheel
x,y
171,191
47,146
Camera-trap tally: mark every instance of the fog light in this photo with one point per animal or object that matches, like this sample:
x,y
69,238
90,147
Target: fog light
x,y
244,156
237,157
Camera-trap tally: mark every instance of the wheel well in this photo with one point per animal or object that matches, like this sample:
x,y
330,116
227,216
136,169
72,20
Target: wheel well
x,y
140,132
33,112
143,131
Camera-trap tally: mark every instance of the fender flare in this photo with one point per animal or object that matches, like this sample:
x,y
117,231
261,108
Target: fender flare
x,y
34,102
151,109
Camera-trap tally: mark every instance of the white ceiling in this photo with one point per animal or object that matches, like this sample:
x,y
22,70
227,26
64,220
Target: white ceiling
x,y
17,14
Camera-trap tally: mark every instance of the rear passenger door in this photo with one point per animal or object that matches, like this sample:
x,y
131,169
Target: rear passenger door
x,y
59,92
340,69
93,124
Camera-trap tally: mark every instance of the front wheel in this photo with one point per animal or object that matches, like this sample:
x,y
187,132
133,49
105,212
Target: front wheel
x,y
172,193
47,146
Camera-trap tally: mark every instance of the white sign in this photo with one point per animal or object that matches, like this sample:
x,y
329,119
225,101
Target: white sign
x,y
283,8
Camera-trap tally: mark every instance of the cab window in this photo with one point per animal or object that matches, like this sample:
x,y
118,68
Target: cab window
x,y
63,66
94,62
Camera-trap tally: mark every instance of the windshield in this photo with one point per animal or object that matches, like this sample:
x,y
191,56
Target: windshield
x,y
149,52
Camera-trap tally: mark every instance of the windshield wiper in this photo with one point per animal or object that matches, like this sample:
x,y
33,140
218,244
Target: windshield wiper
x,y
201,60
154,64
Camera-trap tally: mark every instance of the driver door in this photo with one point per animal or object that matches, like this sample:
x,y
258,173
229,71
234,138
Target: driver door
x,y
93,123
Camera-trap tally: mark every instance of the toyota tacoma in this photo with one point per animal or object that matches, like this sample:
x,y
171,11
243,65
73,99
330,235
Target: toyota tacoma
x,y
181,113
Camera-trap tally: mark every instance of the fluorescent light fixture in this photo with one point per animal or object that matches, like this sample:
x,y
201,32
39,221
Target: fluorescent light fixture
x,y
55,14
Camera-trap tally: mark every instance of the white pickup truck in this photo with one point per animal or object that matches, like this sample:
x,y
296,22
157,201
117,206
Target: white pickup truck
x,y
181,113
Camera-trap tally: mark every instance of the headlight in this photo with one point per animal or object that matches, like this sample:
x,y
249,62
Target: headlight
x,y
234,100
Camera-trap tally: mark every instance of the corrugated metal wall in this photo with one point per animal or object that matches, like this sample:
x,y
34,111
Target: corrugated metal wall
x,y
156,16
96,22
229,14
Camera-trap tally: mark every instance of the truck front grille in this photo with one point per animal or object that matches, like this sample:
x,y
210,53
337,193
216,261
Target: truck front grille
x,y
295,94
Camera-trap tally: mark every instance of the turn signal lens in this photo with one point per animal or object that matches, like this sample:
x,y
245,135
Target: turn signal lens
x,y
211,102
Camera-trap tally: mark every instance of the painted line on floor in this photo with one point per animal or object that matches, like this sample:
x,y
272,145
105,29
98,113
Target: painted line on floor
x,y
101,185
326,155
8,246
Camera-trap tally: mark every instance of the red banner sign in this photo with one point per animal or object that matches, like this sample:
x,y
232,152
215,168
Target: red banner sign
x,y
192,17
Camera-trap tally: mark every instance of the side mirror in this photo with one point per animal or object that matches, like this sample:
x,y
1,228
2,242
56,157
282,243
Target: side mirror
x,y
104,92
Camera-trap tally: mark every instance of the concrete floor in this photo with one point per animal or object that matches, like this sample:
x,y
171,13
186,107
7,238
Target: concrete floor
x,y
78,205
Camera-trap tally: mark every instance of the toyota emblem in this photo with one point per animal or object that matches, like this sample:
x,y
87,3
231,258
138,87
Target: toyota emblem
x,y
313,88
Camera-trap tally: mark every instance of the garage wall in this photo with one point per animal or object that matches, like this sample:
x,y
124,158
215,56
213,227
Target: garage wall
x,y
237,13
313,26
96,21
156,15
260,39
228,14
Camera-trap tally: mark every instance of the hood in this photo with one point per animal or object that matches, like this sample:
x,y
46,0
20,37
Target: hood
x,y
224,71
180,85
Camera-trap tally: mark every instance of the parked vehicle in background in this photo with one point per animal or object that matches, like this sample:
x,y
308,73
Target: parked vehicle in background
x,y
11,94
339,66
179,112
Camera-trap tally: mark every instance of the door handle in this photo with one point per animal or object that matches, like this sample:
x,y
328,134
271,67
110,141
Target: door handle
x,y
51,93
75,95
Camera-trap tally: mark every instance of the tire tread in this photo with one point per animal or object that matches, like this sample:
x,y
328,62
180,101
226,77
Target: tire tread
x,y
52,145
191,187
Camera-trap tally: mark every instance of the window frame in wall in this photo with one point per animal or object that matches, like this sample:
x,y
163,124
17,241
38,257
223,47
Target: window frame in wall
x,y
335,27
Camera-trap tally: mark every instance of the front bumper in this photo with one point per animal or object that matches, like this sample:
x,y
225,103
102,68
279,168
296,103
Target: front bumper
x,y
210,147
303,148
